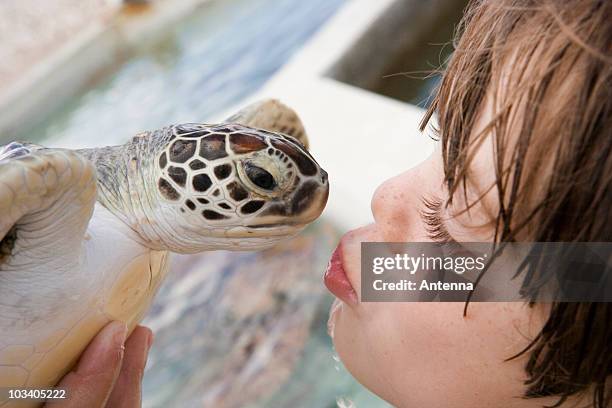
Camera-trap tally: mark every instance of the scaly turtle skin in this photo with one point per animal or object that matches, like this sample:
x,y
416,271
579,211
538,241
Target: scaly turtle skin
x,y
85,234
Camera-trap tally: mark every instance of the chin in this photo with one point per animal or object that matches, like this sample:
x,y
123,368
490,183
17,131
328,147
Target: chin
x,y
361,357
348,341
258,240
254,243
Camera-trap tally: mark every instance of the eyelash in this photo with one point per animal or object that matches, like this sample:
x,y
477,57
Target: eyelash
x,y
430,214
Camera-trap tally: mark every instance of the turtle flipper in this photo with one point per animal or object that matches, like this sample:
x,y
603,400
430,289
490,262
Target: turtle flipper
x,y
17,149
46,201
272,115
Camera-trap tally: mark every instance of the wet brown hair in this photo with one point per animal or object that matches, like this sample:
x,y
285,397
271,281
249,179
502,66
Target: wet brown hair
x,y
546,68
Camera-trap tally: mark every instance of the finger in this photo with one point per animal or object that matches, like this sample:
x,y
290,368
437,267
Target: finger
x,y
90,384
128,387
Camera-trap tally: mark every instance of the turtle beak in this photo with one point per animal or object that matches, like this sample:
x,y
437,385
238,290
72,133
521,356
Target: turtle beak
x,y
308,202
316,198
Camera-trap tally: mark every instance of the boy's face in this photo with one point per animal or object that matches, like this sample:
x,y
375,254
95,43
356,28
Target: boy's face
x,y
428,354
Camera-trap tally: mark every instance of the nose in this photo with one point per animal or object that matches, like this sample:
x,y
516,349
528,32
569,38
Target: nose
x,y
392,200
323,176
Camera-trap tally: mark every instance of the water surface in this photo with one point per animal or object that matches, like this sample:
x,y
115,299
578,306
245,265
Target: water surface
x,y
195,69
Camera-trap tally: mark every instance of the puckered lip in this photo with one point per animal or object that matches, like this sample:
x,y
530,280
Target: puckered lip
x,y
337,281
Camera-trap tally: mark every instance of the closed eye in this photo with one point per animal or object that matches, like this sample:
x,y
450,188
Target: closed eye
x,y
432,218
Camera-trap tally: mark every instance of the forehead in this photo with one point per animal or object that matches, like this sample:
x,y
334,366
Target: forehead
x,y
475,204
496,156
213,142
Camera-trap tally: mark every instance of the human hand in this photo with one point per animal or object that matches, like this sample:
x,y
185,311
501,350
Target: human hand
x,y
109,372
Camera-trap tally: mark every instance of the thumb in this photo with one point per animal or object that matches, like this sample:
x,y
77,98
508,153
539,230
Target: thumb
x,y
91,383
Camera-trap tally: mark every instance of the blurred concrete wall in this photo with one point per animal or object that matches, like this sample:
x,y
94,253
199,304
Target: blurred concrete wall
x,y
401,32
32,30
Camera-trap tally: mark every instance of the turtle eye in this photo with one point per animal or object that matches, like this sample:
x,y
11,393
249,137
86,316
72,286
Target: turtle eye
x,y
260,177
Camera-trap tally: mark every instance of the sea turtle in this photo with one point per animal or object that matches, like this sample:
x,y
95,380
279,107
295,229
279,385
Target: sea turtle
x,y
85,234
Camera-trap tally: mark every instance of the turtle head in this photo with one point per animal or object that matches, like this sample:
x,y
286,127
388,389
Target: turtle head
x,y
231,186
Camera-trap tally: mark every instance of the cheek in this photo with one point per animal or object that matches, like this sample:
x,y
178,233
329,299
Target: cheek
x,y
427,354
